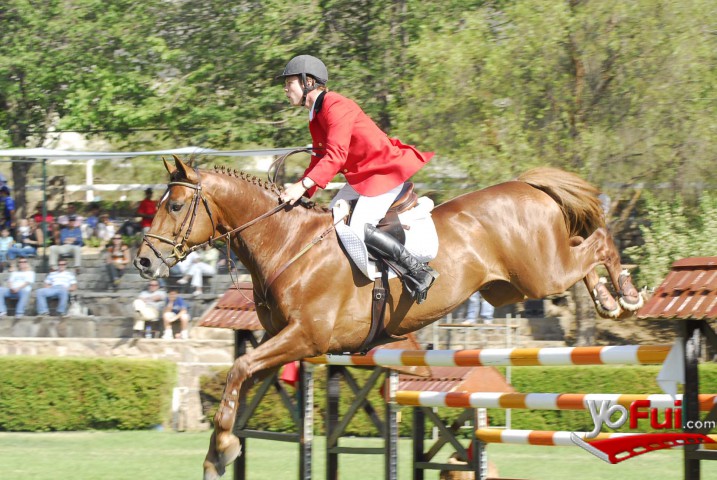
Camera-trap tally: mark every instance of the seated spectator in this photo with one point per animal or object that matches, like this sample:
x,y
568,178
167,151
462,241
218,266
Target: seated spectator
x,y
203,264
6,241
37,216
58,284
147,306
19,286
89,227
105,229
70,242
130,228
117,258
175,309
28,240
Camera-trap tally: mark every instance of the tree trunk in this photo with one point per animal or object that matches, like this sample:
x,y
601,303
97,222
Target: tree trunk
x,y
585,316
19,177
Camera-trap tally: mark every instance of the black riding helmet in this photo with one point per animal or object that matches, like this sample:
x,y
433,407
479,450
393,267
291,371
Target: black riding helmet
x,y
303,65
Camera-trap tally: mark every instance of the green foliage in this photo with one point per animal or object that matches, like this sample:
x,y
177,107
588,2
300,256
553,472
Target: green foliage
x,y
50,394
621,92
272,416
673,232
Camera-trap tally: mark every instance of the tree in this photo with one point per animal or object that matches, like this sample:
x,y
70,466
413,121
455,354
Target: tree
x,y
617,91
83,64
674,232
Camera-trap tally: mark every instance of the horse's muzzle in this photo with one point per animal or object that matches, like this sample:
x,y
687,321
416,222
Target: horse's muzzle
x,y
150,267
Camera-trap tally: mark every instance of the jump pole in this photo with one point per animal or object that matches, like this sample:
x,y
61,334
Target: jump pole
x,y
537,401
608,355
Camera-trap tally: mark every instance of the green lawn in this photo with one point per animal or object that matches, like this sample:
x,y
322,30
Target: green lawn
x,y
178,456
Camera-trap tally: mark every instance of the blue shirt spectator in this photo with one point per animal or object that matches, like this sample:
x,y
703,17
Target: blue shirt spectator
x,y
71,235
177,304
8,208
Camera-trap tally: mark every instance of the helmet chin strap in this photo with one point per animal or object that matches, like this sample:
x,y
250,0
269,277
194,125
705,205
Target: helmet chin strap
x,y
306,88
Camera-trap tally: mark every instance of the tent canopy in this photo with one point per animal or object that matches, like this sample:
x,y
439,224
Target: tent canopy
x,y
50,154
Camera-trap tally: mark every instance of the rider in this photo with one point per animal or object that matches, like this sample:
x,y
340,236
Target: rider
x,y
346,140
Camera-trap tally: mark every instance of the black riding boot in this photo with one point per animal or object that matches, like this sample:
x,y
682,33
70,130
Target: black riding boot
x,y
419,276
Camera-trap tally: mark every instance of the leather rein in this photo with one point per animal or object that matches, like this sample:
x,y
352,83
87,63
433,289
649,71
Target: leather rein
x,y
180,250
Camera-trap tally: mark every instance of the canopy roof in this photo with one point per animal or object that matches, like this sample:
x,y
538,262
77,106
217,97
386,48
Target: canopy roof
x,y
50,154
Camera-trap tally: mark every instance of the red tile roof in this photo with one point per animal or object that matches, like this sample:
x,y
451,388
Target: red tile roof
x,y
235,310
689,292
457,379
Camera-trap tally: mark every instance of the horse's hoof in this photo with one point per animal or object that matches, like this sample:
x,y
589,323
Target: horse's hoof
x,y
213,470
611,314
632,303
228,448
630,298
605,303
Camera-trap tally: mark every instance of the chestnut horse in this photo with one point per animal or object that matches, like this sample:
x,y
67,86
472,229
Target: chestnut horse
x,y
528,238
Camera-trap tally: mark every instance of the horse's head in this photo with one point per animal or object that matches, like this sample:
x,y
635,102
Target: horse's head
x,y
183,220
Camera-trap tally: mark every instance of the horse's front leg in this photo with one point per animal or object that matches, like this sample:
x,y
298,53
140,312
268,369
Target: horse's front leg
x,y
289,345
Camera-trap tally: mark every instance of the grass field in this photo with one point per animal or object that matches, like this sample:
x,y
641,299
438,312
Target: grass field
x,y
178,456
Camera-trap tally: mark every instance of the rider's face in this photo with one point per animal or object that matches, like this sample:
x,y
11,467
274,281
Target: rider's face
x,y
293,90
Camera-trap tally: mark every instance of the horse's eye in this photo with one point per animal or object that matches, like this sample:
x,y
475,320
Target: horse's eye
x,y
175,207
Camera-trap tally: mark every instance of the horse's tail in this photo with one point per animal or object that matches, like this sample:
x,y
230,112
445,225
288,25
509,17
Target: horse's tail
x,y
578,199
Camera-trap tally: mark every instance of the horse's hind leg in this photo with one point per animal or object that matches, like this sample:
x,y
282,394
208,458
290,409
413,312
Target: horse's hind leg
x,y
224,446
601,243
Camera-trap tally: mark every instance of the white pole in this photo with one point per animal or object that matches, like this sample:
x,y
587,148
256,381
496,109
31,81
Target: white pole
x,y
89,180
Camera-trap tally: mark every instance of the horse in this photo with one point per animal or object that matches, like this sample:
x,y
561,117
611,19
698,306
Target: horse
x,y
530,237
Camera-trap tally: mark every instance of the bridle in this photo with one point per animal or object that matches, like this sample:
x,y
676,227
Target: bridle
x,y
180,250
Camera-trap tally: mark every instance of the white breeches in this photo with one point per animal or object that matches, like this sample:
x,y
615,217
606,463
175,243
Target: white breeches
x,y
368,209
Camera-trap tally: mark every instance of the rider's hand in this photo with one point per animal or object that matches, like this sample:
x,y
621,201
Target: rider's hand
x,y
292,193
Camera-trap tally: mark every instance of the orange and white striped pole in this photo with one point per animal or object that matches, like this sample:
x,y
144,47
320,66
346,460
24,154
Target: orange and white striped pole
x,y
542,437
609,355
537,401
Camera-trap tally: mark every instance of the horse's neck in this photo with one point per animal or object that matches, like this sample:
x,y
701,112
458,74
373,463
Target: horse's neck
x,y
265,246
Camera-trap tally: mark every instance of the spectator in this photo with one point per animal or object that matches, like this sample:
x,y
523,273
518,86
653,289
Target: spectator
x,y
8,208
89,227
54,233
147,210
28,240
117,258
203,264
148,305
130,227
105,228
175,309
6,241
19,286
58,284
70,242
477,305
38,217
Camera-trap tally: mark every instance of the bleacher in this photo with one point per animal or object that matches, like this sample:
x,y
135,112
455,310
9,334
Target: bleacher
x,y
105,312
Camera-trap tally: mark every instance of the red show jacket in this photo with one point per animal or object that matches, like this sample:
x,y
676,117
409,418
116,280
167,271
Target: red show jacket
x,y
346,140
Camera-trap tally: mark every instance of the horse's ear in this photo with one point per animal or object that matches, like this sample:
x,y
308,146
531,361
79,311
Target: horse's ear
x,y
185,170
170,168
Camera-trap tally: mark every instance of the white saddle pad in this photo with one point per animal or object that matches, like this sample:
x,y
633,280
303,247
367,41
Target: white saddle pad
x,y
421,237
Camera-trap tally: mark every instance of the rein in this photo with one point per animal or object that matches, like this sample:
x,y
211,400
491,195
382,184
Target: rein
x,y
180,250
